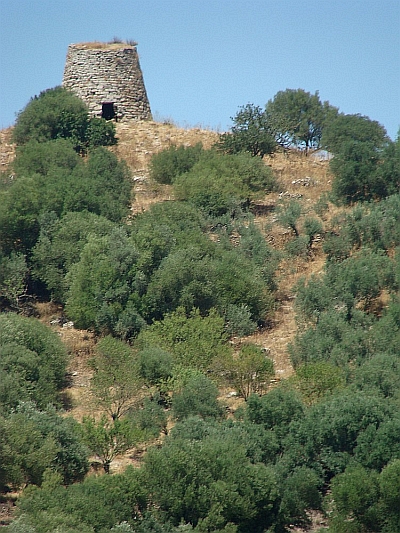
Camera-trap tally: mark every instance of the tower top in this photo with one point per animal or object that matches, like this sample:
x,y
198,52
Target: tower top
x,y
98,45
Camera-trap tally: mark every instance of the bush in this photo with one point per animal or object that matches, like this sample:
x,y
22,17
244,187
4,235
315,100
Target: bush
x,y
155,365
168,164
365,171
102,286
225,178
343,128
32,360
59,114
60,181
249,371
238,320
35,441
250,133
327,438
198,397
193,341
60,244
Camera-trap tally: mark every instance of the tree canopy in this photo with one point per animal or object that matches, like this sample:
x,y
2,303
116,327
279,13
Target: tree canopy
x,y
58,114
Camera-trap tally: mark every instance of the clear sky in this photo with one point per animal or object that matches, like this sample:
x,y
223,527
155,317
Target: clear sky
x,y
203,59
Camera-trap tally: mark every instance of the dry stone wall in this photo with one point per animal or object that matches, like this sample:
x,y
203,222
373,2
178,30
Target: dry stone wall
x,y
108,78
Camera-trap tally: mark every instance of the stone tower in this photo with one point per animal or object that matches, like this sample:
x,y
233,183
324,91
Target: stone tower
x,y
108,78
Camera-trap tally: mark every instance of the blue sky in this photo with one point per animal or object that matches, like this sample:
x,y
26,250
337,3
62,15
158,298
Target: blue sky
x,y
202,59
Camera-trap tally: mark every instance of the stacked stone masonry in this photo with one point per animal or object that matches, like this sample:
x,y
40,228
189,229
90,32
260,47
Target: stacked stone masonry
x,y
108,78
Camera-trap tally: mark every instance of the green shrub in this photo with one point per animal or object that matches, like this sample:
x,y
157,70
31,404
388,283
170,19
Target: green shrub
x,y
249,371
199,396
60,244
35,441
238,320
225,178
32,360
58,114
193,341
250,133
168,164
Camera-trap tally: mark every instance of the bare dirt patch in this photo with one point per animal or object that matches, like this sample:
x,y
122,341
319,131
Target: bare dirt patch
x,y
7,149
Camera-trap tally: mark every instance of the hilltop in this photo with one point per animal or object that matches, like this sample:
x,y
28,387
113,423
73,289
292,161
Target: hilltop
x,y
275,414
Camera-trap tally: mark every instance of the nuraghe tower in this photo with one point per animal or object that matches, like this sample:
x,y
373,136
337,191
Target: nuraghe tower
x,y
108,78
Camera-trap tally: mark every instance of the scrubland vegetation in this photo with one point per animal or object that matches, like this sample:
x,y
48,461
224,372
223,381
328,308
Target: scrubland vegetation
x,y
171,300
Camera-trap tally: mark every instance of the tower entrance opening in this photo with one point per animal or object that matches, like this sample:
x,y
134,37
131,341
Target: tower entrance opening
x,y
107,110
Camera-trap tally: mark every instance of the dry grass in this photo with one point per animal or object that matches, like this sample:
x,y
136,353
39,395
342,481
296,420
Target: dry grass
x,y
7,149
97,45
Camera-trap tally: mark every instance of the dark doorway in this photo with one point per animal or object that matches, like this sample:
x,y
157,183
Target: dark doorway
x,y
107,110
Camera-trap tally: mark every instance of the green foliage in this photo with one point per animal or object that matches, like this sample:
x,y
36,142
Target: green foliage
x,y
32,361
253,246
388,172
288,215
367,501
312,298
249,371
199,396
300,492
211,481
101,185
60,244
354,168
366,170
163,228
361,277
71,457
385,335
316,380
193,341
115,382
150,418
344,128
97,504
204,279
45,159
276,409
250,133
155,366
25,453
297,118
33,441
312,227
13,278
100,133
356,494
107,439
238,320
298,247
389,484
340,332
379,375
335,338
184,279
378,446
326,438
56,113
58,181
171,162
103,286
218,180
